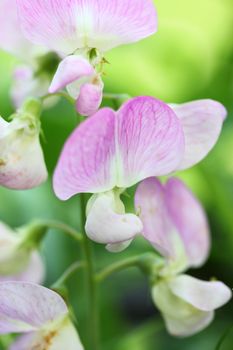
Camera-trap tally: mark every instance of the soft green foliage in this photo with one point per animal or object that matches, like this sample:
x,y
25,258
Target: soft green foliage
x,y
189,58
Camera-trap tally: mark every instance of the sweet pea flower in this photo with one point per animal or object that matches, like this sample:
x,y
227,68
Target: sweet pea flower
x,y
18,261
28,78
174,222
22,164
38,312
112,151
81,32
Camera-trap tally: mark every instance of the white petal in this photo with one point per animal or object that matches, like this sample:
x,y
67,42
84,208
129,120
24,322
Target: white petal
x,y
107,222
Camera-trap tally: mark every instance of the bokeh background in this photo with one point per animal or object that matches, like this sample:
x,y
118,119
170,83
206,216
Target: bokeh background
x,y
191,57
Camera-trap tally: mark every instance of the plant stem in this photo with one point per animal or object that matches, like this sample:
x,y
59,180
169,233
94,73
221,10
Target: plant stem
x,y
59,94
91,284
68,273
116,267
53,224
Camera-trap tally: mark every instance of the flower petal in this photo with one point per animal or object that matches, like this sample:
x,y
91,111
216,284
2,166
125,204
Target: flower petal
x,y
12,39
22,164
64,337
89,99
27,307
190,221
150,140
87,161
151,206
70,69
202,124
104,210
205,296
34,271
181,318
67,26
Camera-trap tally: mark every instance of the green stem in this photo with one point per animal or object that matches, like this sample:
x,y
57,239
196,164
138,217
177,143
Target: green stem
x,y
70,231
91,284
68,273
116,267
149,263
59,94
111,96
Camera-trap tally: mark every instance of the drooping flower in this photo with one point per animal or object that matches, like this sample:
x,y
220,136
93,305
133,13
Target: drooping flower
x,y
38,312
115,150
30,78
85,30
22,164
19,261
174,222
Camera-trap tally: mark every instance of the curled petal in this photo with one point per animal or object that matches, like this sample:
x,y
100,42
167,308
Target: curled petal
x,y
150,140
118,247
67,26
87,160
70,69
22,164
89,99
202,124
181,318
27,307
107,222
205,296
189,219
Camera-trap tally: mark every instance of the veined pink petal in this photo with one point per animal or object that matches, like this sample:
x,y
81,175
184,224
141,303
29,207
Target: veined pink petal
x,y
22,164
27,307
87,160
69,25
190,221
89,99
70,69
104,210
119,149
150,140
151,206
202,124
205,296
23,342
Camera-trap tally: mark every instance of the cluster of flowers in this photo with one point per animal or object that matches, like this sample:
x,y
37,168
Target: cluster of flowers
x,y
61,44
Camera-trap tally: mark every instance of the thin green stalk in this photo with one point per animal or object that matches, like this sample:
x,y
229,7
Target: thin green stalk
x,y
116,267
70,231
68,274
93,318
59,94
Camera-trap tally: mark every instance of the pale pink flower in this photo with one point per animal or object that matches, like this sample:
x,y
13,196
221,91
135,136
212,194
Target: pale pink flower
x,y
86,29
25,81
17,261
175,223
114,150
22,164
38,312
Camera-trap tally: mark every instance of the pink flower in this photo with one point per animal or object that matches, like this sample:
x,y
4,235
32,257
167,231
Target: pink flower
x,y
175,224
114,150
38,312
17,262
85,29
12,40
22,164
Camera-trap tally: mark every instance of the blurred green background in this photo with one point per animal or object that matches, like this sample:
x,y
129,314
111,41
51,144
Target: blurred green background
x,y
191,57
